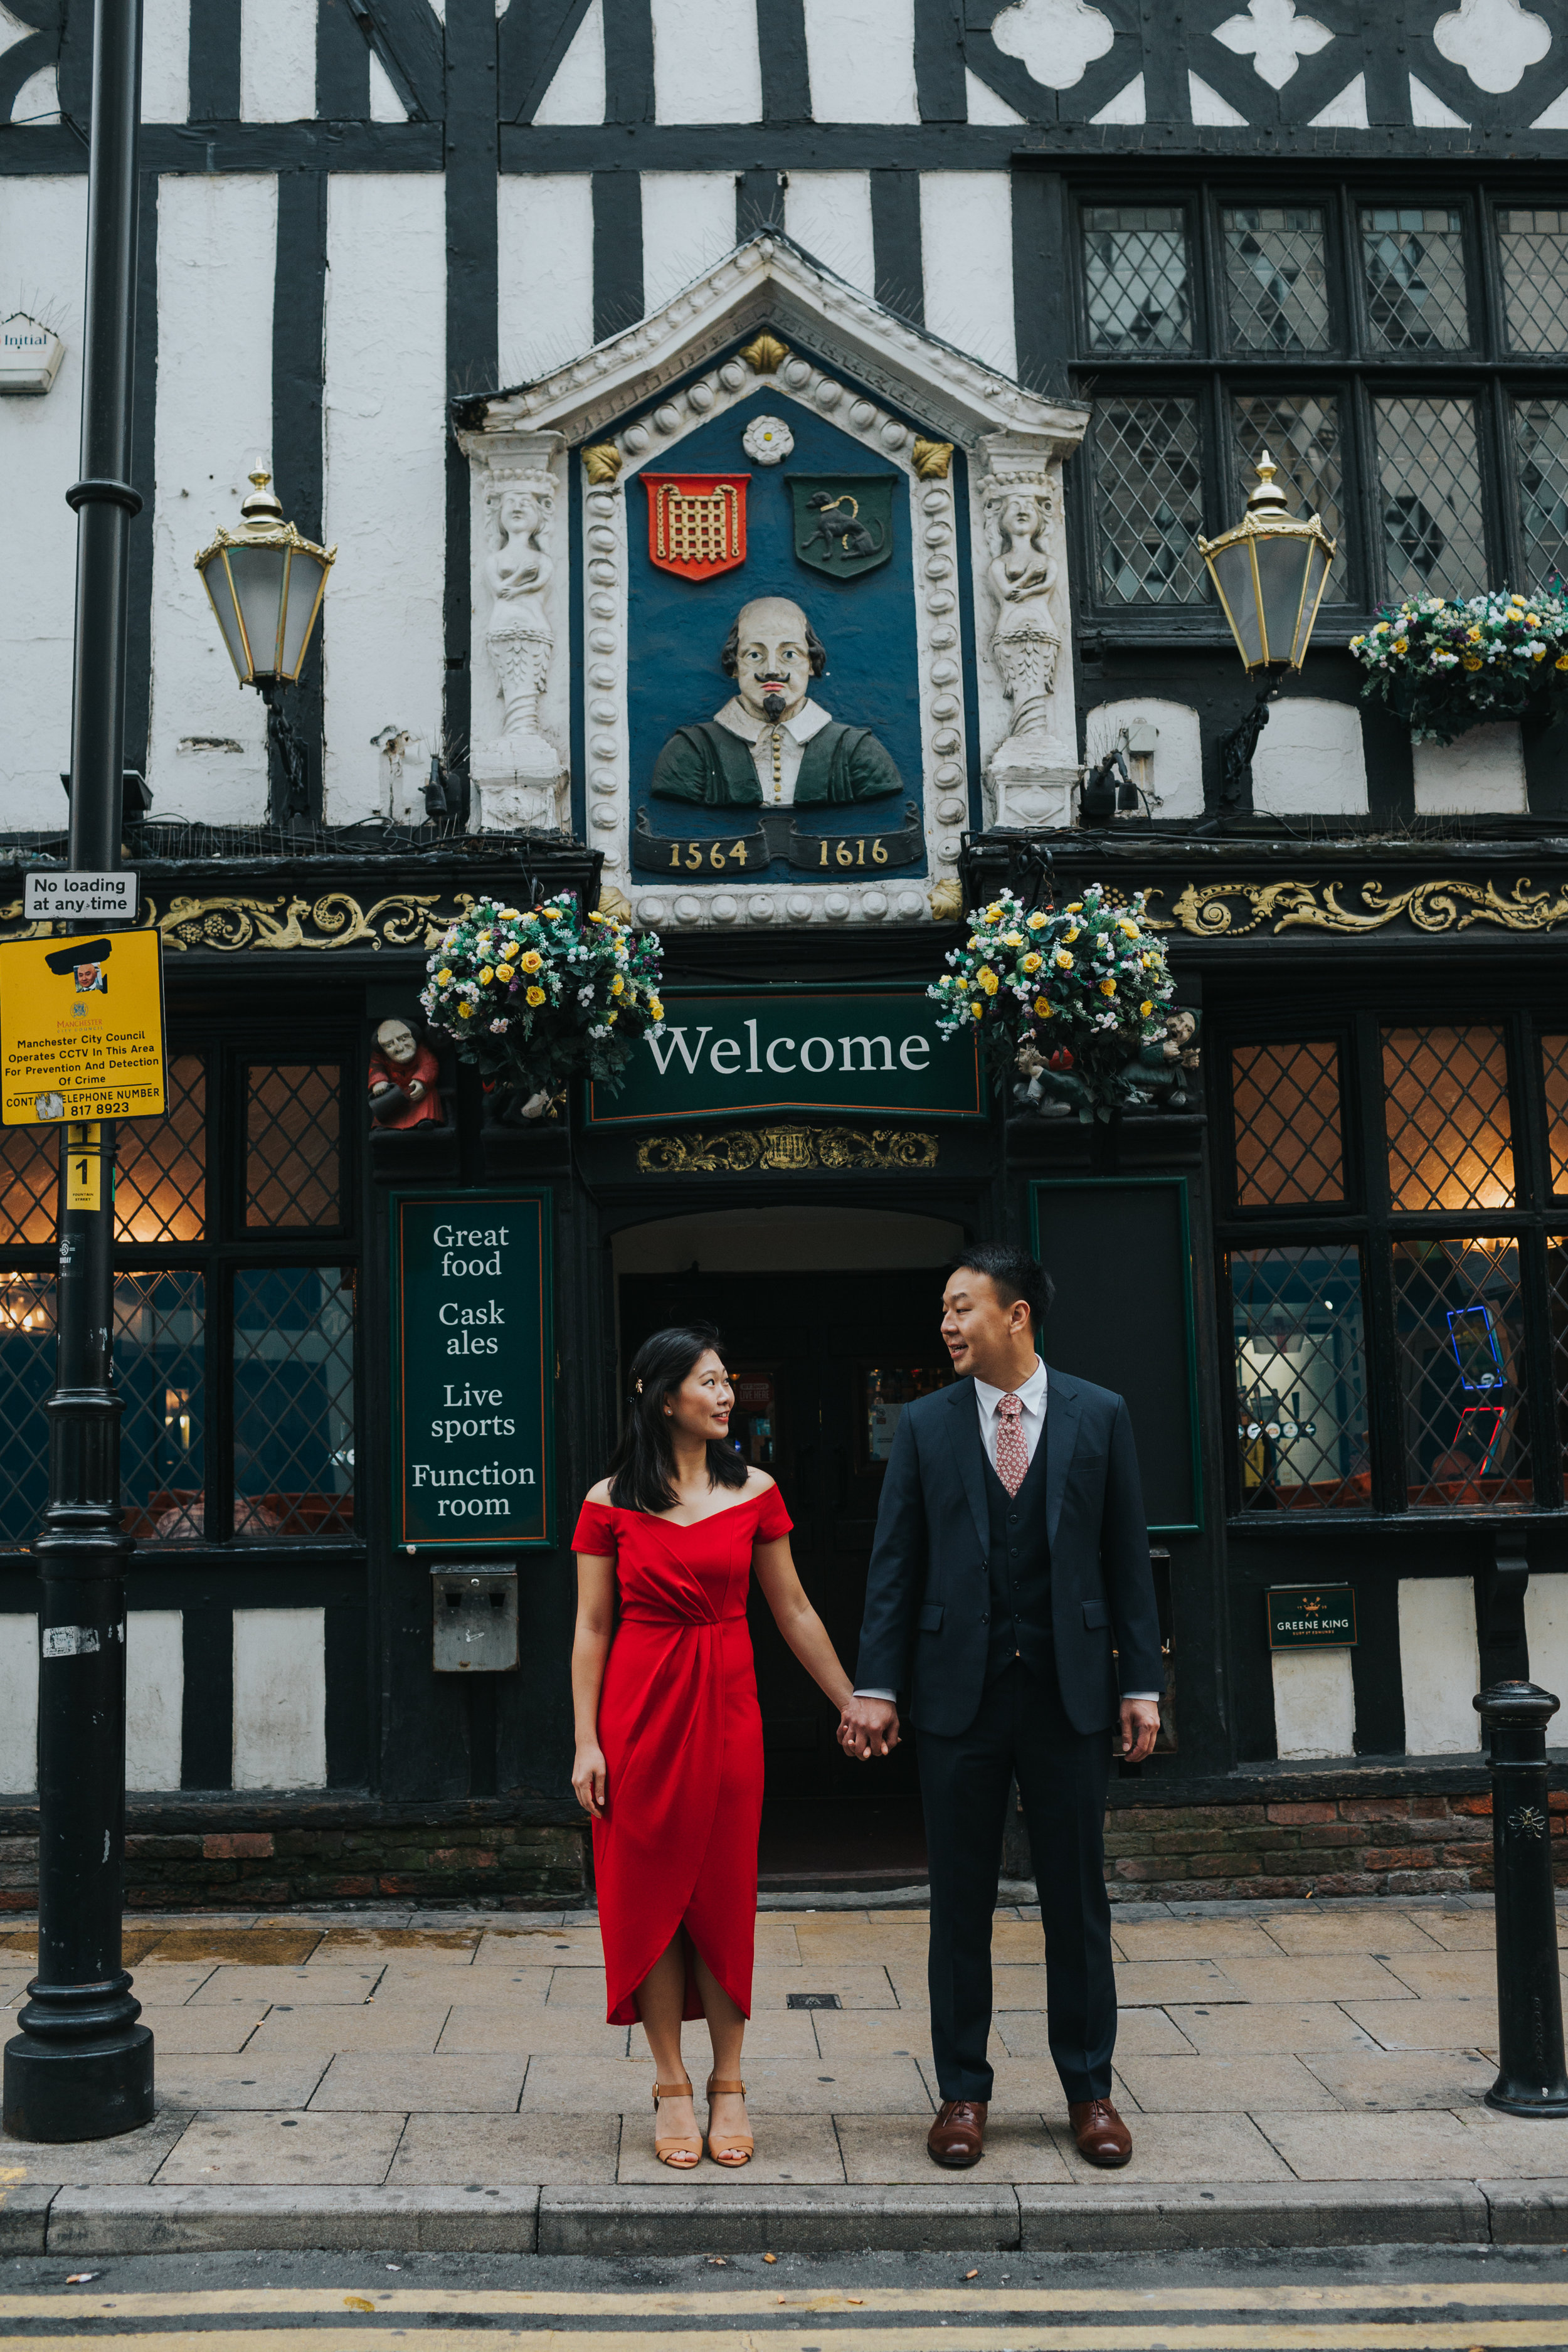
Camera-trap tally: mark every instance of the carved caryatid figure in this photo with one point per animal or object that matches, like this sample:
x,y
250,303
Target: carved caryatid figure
x,y
1020,576
519,635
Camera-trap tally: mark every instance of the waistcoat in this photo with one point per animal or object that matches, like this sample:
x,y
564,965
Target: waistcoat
x,y
1019,1564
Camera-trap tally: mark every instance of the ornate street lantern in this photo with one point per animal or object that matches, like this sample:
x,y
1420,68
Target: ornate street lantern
x,y
266,583
1269,573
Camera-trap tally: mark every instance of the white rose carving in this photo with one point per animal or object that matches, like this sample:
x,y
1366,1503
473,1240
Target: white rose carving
x,y
768,439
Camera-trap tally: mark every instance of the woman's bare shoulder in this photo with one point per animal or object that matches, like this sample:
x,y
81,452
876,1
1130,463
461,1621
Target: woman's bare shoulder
x,y
599,1493
758,1481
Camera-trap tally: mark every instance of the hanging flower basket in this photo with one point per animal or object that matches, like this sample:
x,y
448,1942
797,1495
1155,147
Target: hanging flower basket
x,y
1071,996
535,996
1445,664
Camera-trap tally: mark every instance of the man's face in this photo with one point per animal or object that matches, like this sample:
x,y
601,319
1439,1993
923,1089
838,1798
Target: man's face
x,y
981,1334
770,657
396,1040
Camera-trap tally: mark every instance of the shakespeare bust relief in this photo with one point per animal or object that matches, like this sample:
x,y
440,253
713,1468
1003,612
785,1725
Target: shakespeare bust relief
x,y
771,744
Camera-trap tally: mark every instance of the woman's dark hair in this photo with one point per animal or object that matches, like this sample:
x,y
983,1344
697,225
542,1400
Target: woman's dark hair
x,y
642,1467
1014,1274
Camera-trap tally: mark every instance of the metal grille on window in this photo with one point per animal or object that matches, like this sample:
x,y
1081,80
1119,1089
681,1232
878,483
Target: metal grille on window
x,y
1412,257
1300,1380
1450,1137
1276,278
1430,481
292,1165
29,1182
1135,272
1554,1075
293,1402
1557,1305
1541,468
1285,1104
1534,242
160,1347
26,1378
1301,431
1460,1333
161,1186
1148,495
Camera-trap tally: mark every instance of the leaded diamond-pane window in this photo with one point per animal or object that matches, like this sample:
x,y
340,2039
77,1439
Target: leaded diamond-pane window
x,y
1460,1335
1275,278
1301,431
1541,462
293,1166
29,1182
1412,257
1534,242
1147,491
1557,1303
26,1378
293,1402
1450,1134
161,1188
1430,480
1554,1074
160,1336
1136,274
1288,1144
1300,1380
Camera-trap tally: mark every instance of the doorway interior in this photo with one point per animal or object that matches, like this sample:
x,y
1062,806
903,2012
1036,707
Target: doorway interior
x,y
830,1324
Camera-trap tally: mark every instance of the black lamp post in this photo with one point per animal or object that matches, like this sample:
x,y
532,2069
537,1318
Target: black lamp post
x,y
1270,574
81,2067
266,583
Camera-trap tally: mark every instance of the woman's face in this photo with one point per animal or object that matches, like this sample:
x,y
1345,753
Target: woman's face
x,y
701,1406
1018,518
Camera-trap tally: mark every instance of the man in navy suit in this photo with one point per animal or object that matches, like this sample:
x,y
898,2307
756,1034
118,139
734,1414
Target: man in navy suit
x,y
1010,1593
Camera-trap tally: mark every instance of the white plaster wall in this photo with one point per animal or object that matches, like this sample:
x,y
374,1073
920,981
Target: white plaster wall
x,y
166,60
277,61
1314,1703
1546,1632
216,251
279,1698
688,224
1483,772
577,94
42,245
1309,760
155,1696
966,249
982,105
545,225
1178,760
18,1705
706,67
1439,1663
386,106
385,480
860,55
829,213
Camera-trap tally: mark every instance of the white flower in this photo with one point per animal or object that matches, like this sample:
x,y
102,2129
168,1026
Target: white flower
x,y
768,439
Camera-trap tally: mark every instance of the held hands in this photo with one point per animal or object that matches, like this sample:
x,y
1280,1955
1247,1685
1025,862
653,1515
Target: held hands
x,y
868,1727
1140,1728
588,1782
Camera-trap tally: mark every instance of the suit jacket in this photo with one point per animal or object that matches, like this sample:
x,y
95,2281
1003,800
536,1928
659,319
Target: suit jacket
x,y
707,764
928,1594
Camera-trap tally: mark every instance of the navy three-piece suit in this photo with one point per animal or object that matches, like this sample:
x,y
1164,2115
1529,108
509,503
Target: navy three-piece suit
x,y
1013,1622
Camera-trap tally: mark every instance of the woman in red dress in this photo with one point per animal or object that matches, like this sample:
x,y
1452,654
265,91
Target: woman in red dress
x,y
669,1736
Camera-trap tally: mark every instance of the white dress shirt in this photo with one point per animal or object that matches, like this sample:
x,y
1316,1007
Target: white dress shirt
x,y
791,736
1031,1396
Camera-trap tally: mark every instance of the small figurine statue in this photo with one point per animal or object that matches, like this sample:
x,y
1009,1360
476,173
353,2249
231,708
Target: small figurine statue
x,y
404,1076
1165,1077
1052,1087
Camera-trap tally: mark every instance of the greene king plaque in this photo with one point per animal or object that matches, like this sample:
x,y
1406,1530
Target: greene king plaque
x,y
1311,1617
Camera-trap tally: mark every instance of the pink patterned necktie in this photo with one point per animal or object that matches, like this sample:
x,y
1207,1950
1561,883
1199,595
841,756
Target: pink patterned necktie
x,y
1012,1454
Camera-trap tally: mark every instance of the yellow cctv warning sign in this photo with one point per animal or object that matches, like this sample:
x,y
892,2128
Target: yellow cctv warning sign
x,y
82,1028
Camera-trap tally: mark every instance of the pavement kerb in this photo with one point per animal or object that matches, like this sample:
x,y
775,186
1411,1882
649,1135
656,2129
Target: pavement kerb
x,y
738,2218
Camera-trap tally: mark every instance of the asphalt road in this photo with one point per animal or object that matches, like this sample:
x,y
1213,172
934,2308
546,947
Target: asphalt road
x,y
1398,2299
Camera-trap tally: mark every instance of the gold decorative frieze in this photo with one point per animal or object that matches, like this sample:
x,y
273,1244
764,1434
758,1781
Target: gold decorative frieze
x,y
738,1150
229,926
601,462
1230,909
764,353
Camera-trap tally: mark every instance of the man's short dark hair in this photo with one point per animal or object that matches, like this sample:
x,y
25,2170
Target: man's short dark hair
x,y
729,659
1014,1274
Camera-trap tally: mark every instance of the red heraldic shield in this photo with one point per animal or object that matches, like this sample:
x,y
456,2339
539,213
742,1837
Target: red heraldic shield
x,y
696,522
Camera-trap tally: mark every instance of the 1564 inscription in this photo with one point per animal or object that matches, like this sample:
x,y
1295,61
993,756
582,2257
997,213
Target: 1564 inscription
x,y
714,858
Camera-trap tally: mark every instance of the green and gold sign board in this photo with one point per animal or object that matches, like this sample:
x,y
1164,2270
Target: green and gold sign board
x,y
1311,1617
473,1372
860,1052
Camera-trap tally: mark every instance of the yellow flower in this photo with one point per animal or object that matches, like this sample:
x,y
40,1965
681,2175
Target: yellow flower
x,y
443,979
1146,1007
612,1014
1074,907
1070,935
531,960
1044,1008
503,972
1063,961
994,914
596,918
508,915
972,941
656,1008
1011,940
1107,988
1037,921
1561,661
1532,620
978,1010
486,975
989,981
465,1011
1130,930
1402,644
1381,630
534,995
1030,964
617,985
1472,661
1540,654
1474,636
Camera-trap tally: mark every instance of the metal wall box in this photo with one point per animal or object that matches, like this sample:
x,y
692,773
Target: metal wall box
x,y
475,1611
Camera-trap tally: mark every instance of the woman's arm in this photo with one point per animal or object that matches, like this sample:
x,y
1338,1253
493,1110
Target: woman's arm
x,y
590,1648
773,1567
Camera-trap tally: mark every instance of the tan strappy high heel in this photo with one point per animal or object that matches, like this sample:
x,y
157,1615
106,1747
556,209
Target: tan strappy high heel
x,y
680,2154
735,2148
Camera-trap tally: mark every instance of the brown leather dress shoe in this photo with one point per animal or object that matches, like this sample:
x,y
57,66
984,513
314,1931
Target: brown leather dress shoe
x,y
1102,2138
957,2137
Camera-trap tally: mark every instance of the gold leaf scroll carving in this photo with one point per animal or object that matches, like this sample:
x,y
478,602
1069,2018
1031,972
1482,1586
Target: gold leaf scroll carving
x,y
736,1151
1207,910
230,926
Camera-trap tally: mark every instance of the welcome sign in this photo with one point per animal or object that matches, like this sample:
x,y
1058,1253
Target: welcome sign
x,y
473,1375
871,1052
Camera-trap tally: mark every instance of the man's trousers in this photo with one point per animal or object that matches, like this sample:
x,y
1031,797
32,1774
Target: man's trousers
x,y
1020,1730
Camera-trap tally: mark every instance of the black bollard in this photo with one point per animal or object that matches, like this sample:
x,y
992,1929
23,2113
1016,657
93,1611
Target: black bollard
x,y
1531,2078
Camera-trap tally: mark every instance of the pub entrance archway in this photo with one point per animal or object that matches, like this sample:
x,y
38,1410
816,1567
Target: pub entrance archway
x,y
830,1323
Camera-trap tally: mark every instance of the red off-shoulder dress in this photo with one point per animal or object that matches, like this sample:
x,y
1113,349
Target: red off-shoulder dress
x,y
682,1737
